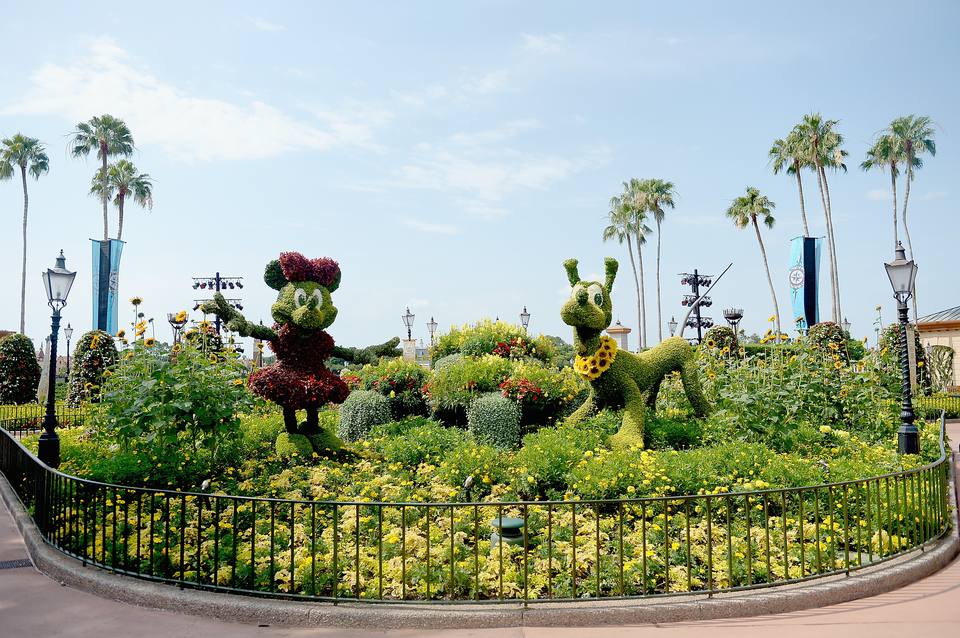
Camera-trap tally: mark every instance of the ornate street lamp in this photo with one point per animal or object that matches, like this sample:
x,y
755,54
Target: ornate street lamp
x,y
903,273
846,326
672,324
408,322
68,332
177,324
733,317
57,281
432,327
525,318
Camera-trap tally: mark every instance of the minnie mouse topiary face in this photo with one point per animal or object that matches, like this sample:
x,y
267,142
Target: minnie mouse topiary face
x,y
304,286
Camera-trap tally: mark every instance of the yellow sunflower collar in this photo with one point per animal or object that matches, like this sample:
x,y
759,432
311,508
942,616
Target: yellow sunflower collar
x,y
593,366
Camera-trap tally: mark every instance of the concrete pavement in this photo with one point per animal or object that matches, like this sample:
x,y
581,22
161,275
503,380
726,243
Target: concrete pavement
x,y
33,605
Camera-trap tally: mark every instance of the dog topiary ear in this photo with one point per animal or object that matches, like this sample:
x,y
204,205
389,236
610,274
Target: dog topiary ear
x,y
273,275
610,265
571,267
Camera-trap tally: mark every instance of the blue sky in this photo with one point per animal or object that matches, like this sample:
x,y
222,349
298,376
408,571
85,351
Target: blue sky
x,y
451,155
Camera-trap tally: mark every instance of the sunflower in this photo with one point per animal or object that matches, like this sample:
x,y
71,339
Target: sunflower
x,y
149,342
238,382
176,348
837,364
95,340
136,301
592,366
181,316
711,343
121,333
772,318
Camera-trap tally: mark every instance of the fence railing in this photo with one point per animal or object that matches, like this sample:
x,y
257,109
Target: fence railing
x,y
392,552
946,403
26,419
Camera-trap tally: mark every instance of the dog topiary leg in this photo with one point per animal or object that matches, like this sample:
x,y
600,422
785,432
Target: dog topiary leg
x,y
585,411
690,376
631,429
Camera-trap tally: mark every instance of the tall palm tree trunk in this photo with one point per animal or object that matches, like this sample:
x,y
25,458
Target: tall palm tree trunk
x,y
906,229
23,270
659,314
803,208
643,298
103,191
826,216
893,185
636,283
120,216
766,267
833,247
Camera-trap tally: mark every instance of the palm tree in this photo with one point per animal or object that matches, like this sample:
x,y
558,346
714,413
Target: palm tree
x,y
744,211
122,181
29,155
109,136
885,154
621,229
789,154
657,195
635,200
821,143
915,136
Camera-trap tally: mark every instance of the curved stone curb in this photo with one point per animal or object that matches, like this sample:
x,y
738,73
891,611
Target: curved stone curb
x,y
246,609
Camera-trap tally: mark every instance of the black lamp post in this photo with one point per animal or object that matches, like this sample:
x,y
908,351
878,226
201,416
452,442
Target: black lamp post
x,y
846,326
408,322
68,332
432,327
672,324
525,318
57,281
903,273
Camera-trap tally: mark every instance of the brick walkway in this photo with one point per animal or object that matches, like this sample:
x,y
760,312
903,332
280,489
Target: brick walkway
x,y
33,605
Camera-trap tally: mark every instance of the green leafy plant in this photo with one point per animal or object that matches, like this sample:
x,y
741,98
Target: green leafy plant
x,y
94,353
456,384
494,419
493,337
398,380
19,370
362,410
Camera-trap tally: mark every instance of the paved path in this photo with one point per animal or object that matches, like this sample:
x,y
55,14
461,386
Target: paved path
x,y
33,605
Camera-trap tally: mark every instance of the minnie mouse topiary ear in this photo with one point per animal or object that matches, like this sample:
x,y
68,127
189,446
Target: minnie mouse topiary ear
x,y
273,275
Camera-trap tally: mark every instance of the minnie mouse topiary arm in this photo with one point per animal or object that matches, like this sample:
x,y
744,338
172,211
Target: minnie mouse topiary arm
x,y
234,321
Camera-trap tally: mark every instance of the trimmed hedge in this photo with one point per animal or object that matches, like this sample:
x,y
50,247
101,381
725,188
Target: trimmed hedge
x,y
494,419
93,354
362,410
19,370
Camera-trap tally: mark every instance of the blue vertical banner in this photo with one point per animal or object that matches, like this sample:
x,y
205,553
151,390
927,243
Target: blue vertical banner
x,y
105,276
804,281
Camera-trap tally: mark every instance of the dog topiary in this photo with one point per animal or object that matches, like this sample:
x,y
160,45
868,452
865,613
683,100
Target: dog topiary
x,y
299,380
619,378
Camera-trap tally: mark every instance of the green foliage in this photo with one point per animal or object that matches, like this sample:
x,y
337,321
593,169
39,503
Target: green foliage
x,y
456,384
890,357
542,394
493,337
940,365
362,410
19,370
720,337
665,432
856,350
494,419
420,441
484,464
829,338
443,362
293,446
163,400
94,353
549,455
401,382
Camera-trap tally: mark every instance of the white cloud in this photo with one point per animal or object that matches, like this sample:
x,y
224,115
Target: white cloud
x,y
193,128
459,91
543,43
265,25
934,195
879,195
496,134
436,229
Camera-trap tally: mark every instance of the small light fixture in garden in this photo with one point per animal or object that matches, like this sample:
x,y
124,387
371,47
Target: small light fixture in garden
x,y
525,318
68,332
432,327
177,321
57,281
733,317
672,324
903,273
846,326
408,322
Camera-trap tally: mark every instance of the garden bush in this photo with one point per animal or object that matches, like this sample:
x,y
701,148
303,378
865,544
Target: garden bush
x,y
493,337
400,381
494,419
720,337
94,353
362,410
455,385
542,393
425,442
291,446
829,338
548,456
19,370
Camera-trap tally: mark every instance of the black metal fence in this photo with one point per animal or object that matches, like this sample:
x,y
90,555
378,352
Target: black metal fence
x,y
379,551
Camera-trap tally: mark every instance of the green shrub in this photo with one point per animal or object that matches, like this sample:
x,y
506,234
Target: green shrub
x,y
829,338
455,385
156,399
540,393
400,381
663,432
443,362
484,464
720,337
426,442
494,419
19,370
93,355
493,337
362,410
548,456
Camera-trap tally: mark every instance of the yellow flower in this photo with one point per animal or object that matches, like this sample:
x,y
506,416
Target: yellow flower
x,y
772,318
181,316
121,334
95,340
238,382
711,343
212,358
838,364
919,364
591,367
149,342
176,348
136,301
825,429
